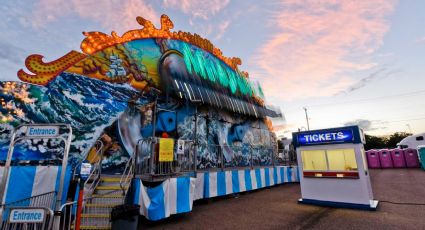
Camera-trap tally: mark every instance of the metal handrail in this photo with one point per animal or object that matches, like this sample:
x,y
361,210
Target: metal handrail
x,y
66,211
147,165
74,175
31,200
127,174
94,177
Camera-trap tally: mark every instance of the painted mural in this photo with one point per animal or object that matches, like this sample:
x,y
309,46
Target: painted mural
x,y
120,88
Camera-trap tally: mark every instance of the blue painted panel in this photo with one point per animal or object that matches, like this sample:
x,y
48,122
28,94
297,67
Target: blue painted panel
x,y
235,181
248,180
221,183
21,180
267,176
258,177
183,201
156,209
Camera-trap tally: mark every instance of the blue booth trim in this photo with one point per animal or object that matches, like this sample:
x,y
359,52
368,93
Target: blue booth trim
x,y
337,204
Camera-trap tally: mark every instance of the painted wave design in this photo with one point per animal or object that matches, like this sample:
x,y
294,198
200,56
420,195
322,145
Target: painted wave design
x,y
88,105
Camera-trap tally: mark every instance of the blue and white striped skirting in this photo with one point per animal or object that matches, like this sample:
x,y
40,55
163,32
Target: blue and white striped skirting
x,y
27,181
176,195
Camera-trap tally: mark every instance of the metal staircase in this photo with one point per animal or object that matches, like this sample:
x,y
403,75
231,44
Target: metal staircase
x,y
108,191
97,209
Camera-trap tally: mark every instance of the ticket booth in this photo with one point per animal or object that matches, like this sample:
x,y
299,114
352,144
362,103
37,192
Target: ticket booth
x,y
333,168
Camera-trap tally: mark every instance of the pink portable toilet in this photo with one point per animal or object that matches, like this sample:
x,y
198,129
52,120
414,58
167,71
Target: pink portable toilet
x,y
385,158
411,156
373,159
398,158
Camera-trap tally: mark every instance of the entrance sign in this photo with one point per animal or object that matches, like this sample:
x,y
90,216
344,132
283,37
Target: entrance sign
x,y
166,149
180,147
27,215
42,131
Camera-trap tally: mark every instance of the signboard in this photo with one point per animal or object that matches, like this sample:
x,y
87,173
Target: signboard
x,y
42,131
180,147
35,215
325,137
85,170
166,149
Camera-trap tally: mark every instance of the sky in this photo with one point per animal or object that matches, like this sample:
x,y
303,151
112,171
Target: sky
x,y
347,62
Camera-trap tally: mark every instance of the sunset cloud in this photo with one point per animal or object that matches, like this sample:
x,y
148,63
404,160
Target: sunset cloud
x,y
222,27
197,8
113,15
316,43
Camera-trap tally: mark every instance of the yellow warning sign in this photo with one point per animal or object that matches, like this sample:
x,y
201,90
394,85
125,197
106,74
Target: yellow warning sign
x,y
166,149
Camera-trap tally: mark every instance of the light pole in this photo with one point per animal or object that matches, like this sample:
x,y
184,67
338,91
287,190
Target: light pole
x,y
306,118
410,129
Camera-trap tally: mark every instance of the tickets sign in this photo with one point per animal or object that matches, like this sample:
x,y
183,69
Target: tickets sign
x,y
166,150
348,134
320,137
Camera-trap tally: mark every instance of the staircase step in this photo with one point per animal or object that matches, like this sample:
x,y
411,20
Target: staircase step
x,y
114,187
88,227
111,179
95,215
115,195
110,205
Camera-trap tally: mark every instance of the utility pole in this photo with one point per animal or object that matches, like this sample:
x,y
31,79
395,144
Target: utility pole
x,y
410,129
306,118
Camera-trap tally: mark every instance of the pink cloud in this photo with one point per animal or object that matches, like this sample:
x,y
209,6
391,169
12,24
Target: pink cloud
x,y
197,8
113,15
222,27
316,42
420,40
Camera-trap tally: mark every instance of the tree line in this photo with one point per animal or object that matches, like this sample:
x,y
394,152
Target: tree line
x,y
375,142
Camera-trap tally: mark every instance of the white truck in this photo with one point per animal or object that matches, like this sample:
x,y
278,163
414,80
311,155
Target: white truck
x,y
412,141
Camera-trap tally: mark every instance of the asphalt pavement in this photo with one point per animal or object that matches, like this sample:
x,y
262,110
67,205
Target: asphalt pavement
x,y
277,208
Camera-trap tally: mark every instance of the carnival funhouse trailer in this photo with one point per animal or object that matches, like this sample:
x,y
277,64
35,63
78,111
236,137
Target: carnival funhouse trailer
x,y
162,118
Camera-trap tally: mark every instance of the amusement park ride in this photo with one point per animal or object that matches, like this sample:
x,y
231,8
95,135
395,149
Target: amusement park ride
x,y
163,117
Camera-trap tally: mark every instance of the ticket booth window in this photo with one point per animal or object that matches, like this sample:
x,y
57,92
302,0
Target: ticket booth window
x,y
329,160
342,160
314,160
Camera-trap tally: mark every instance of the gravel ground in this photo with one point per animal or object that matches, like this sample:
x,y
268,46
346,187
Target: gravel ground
x,y
277,208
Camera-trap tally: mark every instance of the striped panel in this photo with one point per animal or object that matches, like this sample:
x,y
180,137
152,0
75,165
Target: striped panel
x,y
267,177
183,195
44,176
235,181
156,209
241,180
176,195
